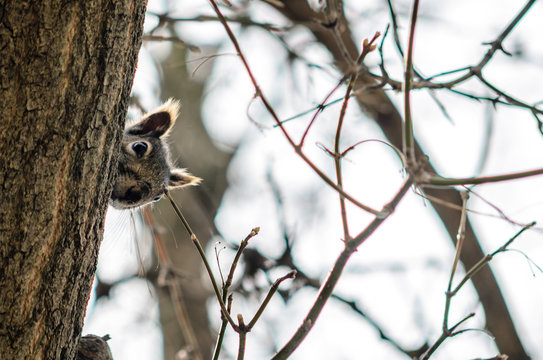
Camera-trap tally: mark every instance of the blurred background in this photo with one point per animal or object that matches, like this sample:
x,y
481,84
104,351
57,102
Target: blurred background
x,y
390,300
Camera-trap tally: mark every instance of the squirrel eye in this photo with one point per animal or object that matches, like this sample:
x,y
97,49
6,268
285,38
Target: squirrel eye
x,y
157,198
139,148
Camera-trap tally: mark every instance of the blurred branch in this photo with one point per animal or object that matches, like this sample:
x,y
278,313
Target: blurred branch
x,y
242,19
172,39
169,278
201,251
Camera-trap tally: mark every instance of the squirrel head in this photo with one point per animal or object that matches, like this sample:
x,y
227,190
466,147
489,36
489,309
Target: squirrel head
x,y
144,163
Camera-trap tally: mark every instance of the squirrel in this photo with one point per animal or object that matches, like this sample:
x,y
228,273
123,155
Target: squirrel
x,y
144,163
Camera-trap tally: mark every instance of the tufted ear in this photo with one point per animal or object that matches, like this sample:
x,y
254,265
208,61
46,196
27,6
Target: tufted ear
x,y
181,178
158,122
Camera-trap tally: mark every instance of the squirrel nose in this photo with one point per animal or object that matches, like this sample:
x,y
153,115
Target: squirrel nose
x,y
134,194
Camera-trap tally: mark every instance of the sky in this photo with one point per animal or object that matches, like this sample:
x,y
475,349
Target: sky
x,y
400,274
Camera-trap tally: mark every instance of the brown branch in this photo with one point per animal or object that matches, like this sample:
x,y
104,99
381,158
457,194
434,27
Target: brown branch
x,y
460,242
271,111
226,288
242,337
409,142
449,332
377,105
240,19
470,71
201,251
173,286
331,281
271,292
286,259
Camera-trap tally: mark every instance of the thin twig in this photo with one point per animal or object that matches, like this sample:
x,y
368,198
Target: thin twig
x,y
409,142
204,259
242,247
222,331
485,260
271,292
242,337
395,31
444,336
367,47
331,281
337,158
226,287
174,287
446,331
271,111
441,181
319,109
397,151
459,243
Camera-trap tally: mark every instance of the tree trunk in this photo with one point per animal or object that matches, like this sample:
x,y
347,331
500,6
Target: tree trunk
x,y
193,148
66,71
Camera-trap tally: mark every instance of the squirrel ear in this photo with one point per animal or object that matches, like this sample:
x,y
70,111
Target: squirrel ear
x,y
158,122
181,178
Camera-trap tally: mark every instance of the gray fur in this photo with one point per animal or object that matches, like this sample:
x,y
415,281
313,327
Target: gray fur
x,y
144,163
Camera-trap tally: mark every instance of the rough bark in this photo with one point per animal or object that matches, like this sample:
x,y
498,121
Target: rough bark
x,y
65,72
378,106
